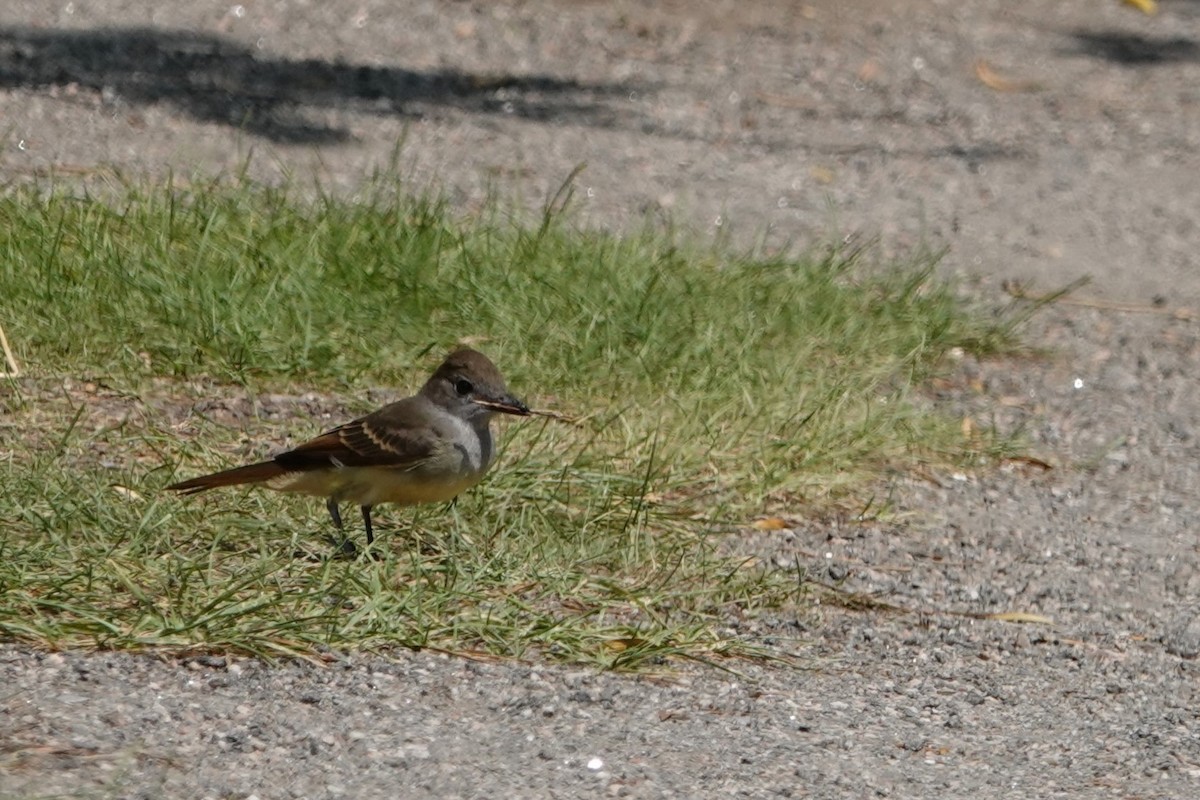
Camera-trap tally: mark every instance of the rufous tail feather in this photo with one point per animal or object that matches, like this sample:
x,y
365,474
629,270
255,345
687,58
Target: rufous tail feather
x,y
251,473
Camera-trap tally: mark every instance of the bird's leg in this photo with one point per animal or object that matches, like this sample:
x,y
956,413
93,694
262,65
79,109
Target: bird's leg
x,y
345,546
334,513
366,511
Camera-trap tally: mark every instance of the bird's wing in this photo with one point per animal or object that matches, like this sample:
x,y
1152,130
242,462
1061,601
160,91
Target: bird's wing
x,y
397,436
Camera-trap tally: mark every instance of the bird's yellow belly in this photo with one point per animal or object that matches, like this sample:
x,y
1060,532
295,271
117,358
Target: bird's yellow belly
x,y
368,486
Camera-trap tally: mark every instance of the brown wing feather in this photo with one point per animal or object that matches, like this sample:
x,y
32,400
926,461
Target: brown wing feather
x,y
389,437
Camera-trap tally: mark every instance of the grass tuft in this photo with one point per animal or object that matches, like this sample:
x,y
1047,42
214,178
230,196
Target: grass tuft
x,y
169,330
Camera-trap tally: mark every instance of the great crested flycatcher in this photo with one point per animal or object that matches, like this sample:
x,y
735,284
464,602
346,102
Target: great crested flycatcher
x,y
427,448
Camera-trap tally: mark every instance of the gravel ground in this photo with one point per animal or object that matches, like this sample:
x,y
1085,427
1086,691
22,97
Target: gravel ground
x,y
786,120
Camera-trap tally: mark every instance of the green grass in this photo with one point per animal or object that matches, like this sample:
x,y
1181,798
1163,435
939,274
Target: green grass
x,y
713,386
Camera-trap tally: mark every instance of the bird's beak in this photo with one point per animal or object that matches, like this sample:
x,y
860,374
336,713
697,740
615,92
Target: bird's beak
x,y
505,405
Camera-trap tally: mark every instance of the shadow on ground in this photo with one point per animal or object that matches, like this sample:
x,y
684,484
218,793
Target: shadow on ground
x,y
1134,50
216,79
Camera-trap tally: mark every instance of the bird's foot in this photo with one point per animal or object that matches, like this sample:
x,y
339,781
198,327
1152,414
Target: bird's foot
x,y
343,547
349,550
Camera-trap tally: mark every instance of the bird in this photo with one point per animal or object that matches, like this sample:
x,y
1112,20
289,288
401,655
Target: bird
x,y
427,448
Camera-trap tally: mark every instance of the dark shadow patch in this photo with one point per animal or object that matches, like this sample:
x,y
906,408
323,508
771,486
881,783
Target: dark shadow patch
x,y
973,155
1133,50
978,153
218,80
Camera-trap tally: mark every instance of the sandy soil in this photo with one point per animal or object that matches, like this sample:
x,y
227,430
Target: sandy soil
x,y
1037,141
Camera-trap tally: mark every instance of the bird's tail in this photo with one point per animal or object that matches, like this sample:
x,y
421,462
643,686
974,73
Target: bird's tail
x,y
251,473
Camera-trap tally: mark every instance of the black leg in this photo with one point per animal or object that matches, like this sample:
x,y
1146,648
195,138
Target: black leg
x,y
334,514
345,547
367,524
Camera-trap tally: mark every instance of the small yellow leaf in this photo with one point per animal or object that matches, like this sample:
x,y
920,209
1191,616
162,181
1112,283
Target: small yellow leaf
x,y
1145,6
822,175
128,494
770,524
621,645
994,80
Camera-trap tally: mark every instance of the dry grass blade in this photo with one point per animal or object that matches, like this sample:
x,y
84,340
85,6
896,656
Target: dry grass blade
x,y
556,416
13,370
857,601
1019,616
1017,290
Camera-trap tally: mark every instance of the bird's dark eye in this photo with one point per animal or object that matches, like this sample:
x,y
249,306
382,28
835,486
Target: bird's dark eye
x,y
463,387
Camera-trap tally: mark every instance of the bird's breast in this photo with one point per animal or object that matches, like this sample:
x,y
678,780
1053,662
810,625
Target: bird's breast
x,y
368,486
462,448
